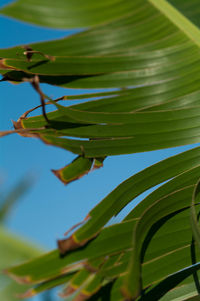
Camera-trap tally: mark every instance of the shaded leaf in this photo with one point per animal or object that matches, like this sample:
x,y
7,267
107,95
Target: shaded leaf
x,y
14,195
194,215
13,251
135,185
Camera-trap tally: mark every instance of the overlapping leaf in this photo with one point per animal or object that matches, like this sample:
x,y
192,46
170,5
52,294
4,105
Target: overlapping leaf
x,y
176,252
169,75
175,246
149,51
78,168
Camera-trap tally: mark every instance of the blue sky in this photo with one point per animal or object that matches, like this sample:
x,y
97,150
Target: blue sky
x,y
50,208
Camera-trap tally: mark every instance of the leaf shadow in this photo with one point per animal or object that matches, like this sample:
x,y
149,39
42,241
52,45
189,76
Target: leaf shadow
x,y
37,64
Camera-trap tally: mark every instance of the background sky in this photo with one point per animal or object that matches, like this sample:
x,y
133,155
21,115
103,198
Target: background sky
x,y
50,208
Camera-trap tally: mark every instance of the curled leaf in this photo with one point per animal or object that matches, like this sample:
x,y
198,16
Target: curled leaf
x,y
4,66
75,170
68,244
81,297
19,279
28,294
98,163
21,131
76,225
47,285
68,291
75,283
71,243
194,216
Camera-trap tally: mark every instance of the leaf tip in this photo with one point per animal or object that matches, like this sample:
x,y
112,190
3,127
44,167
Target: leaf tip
x,y
82,297
69,290
4,66
56,172
98,163
68,244
28,294
59,174
18,279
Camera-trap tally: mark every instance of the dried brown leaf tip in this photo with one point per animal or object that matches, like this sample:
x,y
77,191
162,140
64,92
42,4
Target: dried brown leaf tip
x,y
17,124
18,129
82,297
60,174
71,243
98,163
72,268
28,294
18,279
79,167
29,52
68,244
69,290
4,66
21,131
90,268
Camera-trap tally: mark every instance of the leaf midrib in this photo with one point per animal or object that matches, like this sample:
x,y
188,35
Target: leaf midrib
x,y
178,19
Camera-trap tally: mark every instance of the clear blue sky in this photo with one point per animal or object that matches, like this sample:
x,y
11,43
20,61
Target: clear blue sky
x,y
50,208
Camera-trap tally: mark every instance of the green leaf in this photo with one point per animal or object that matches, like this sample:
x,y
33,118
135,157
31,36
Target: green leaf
x,y
137,184
63,279
177,241
13,250
178,19
65,14
189,9
117,133
19,190
149,51
75,170
194,216
185,287
52,265
151,215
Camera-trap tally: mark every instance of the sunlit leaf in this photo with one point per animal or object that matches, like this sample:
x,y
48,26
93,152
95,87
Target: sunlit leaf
x,y
147,52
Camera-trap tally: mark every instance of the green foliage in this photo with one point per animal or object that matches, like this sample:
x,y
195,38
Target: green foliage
x,y
13,249
148,52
